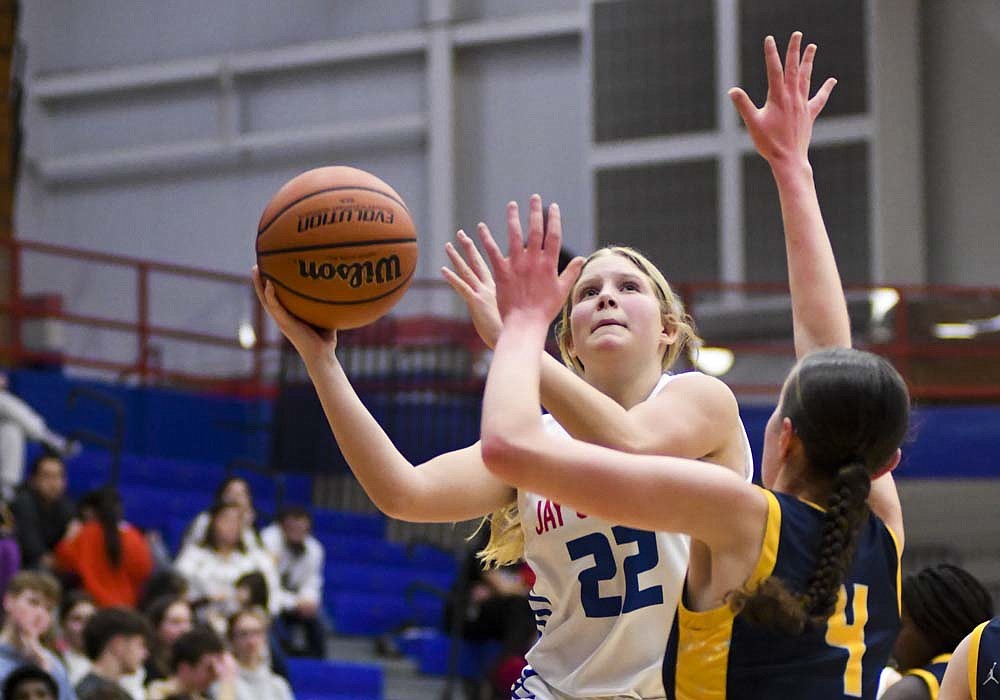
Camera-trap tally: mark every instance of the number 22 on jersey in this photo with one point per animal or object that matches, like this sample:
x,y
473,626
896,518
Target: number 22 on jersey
x,y
605,568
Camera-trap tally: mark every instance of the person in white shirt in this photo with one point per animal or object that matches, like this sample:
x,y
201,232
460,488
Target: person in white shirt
x,y
299,558
234,491
213,565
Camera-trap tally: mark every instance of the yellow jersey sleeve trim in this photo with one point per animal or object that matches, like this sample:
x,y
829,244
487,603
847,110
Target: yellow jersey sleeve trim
x,y
929,680
941,658
974,640
705,619
899,568
769,547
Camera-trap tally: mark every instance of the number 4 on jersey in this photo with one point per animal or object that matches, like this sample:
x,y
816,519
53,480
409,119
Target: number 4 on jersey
x,y
850,636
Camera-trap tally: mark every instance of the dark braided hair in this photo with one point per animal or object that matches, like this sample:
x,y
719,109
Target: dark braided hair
x,y
850,411
106,505
945,603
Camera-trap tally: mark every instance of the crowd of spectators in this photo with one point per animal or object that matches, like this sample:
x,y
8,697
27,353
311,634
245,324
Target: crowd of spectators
x,y
90,611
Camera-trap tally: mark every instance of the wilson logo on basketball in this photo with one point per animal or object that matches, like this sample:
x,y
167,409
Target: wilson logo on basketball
x,y
356,273
344,215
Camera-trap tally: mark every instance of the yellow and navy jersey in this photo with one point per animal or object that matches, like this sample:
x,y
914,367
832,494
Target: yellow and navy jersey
x,y
932,674
984,653
714,655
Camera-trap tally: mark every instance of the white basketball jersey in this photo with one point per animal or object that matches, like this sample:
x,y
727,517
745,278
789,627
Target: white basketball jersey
x,y
604,595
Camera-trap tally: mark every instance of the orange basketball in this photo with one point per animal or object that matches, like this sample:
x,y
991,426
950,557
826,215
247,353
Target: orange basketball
x,y
339,246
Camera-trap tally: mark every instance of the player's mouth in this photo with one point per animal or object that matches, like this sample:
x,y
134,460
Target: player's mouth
x,y
607,322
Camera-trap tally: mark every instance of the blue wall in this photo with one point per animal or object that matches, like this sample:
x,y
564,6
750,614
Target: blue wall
x,y
945,441
158,421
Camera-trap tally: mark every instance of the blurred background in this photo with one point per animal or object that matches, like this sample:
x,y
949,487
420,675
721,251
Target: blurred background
x,y
141,141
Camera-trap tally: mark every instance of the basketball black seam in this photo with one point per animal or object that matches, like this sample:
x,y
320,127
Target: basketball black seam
x,y
261,230
339,303
323,246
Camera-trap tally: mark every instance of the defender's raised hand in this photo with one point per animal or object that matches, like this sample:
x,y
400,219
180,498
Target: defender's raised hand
x,y
527,279
782,128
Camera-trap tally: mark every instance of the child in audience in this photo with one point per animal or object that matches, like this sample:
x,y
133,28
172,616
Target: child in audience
x,y
76,609
28,603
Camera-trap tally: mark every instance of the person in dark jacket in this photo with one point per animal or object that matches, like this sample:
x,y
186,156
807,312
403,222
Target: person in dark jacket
x,y
42,512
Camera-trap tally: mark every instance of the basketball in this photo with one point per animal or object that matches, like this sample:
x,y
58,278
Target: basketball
x,y
339,246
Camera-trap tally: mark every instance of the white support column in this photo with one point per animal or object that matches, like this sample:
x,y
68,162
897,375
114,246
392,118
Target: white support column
x,y
898,228
229,106
590,187
440,138
727,72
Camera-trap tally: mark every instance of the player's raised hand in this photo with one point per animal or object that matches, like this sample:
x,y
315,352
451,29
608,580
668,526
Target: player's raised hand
x,y
782,128
527,278
309,341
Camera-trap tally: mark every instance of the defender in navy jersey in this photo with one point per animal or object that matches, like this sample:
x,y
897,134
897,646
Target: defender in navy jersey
x,y
941,605
974,670
716,653
764,556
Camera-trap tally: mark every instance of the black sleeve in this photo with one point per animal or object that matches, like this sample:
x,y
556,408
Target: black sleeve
x,y
29,529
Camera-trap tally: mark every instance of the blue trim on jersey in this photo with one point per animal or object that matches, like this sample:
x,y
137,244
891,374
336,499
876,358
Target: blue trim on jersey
x,y
518,691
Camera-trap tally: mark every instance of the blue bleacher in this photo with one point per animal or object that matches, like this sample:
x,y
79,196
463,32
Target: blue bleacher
x,y
362,548
431,649
334,680
384,578
334,522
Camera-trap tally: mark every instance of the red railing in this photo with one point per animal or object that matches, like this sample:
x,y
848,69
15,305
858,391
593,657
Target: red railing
x,y
20,309
752,320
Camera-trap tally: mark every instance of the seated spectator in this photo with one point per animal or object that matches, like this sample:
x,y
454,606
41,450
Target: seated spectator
x,y
19,423
248,640
165,583
940,606
42,512
115,640
28,603
213,565
111,557
29,683
251,592
232,491
170,617
493,605
77,607
198,661
299,557
10,552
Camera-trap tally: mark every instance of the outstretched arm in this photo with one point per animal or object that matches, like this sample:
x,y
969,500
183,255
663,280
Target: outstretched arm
x,y
781,130
648,427
454,486
625,488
